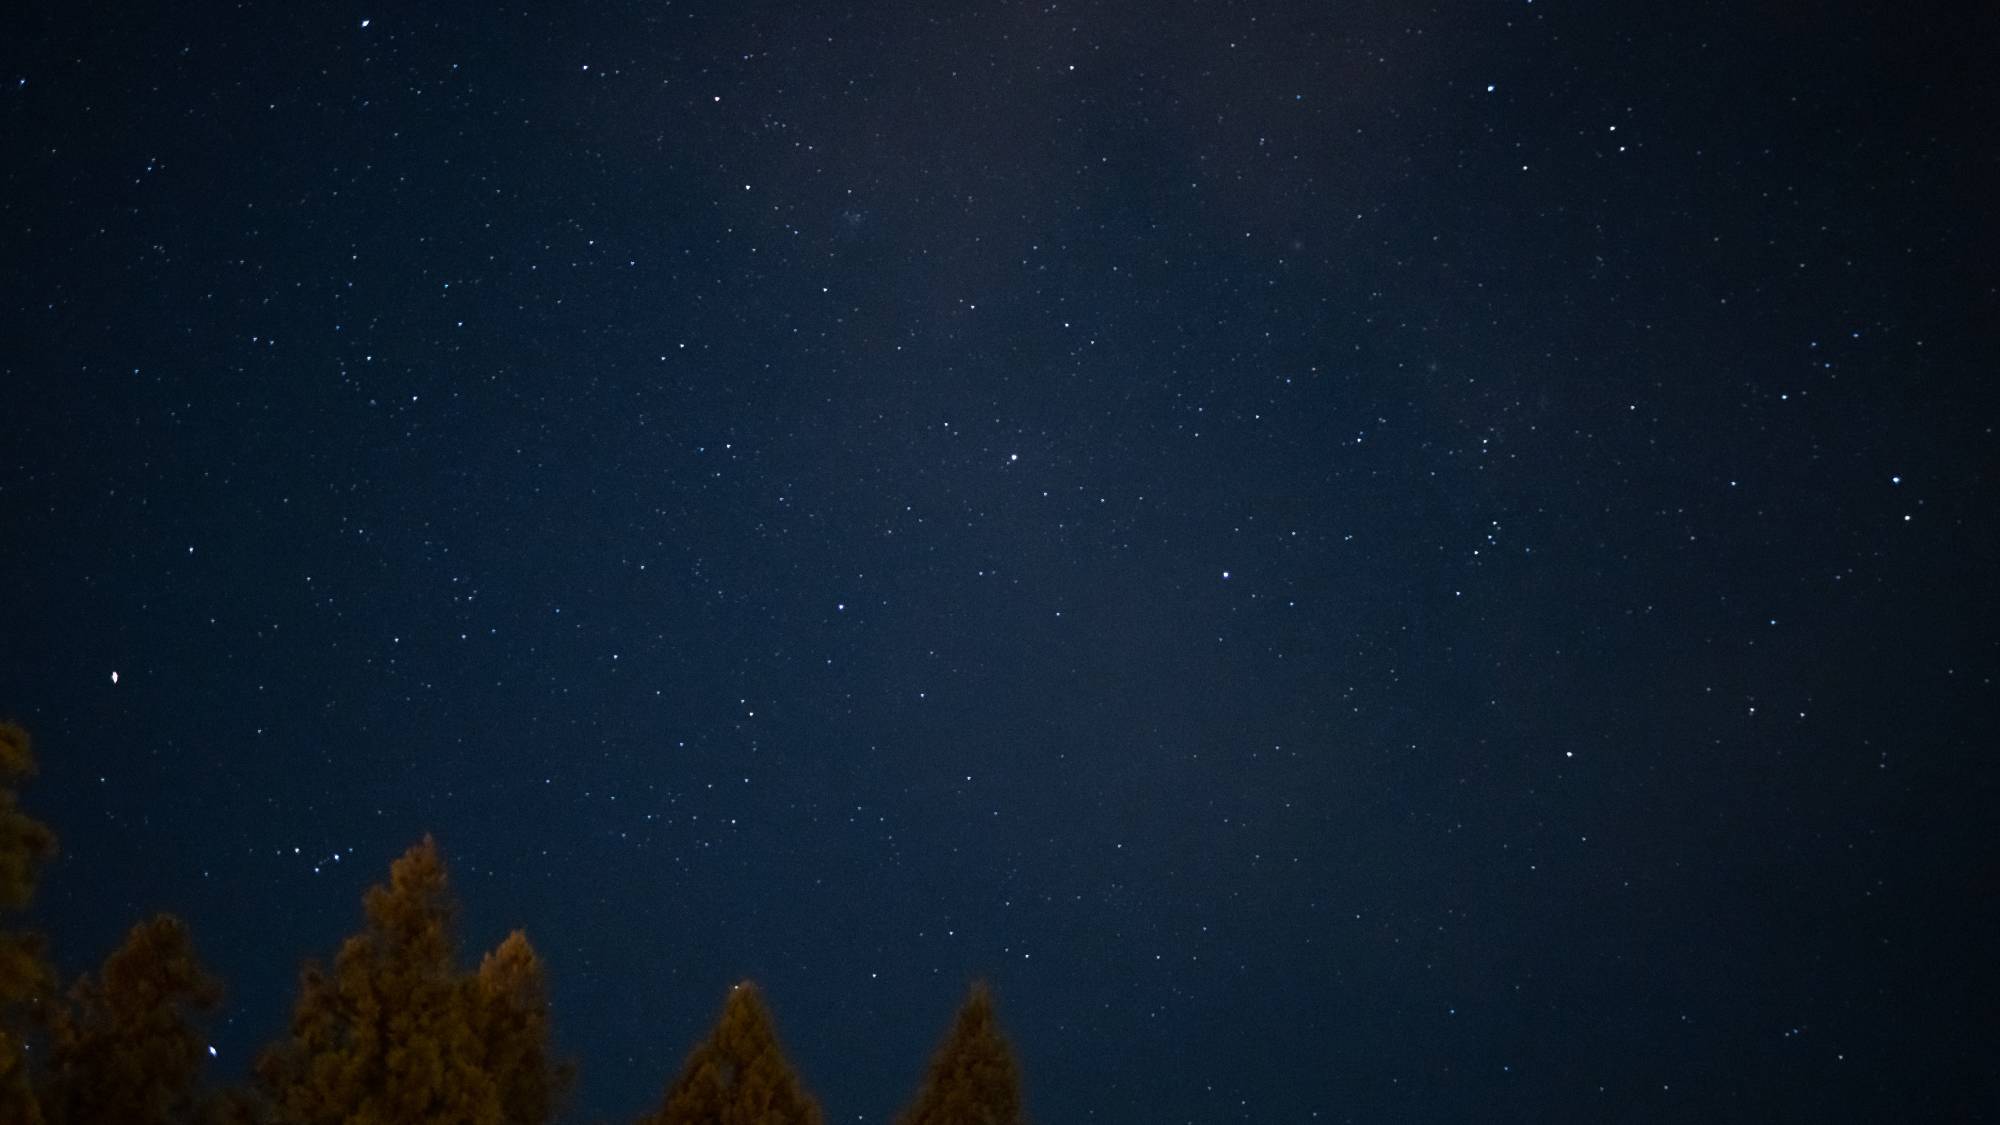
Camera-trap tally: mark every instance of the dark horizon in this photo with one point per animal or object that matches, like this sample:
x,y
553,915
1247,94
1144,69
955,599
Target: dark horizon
x,y
1358,563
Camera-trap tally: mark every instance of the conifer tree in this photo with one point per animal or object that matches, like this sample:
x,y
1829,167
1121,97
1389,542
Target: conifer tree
x,y
26,980
972,1078
512,1017
395,1033
125,1048
738,1075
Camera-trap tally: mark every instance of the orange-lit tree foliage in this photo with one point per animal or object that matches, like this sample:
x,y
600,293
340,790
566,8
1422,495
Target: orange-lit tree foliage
x,y
511,1014
972,1078
397,1033
26,981
738,1075
125,1047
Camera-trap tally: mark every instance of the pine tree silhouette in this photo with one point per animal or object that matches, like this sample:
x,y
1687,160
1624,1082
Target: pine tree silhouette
x,y
738,1075
972,1078
395,1034
125,1047
512,1018
26,981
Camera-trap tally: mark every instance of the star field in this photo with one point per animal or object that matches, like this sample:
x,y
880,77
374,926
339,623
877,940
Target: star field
x,y
1359,563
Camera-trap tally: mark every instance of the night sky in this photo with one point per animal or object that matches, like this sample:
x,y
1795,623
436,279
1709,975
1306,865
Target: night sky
x,y
1360,561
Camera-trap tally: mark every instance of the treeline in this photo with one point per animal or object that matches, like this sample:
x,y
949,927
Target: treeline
x,y
393,1032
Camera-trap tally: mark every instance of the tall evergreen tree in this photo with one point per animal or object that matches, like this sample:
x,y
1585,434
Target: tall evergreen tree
x,y
972,1078
738,1075
394,1034
512,1018
26,980
125,1047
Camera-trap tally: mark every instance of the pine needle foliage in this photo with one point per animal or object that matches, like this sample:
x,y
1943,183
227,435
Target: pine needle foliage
x,y
972,1079
738,1075
126,1046
396,1034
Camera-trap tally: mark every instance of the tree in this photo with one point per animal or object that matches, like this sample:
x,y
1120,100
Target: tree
x,y
394,1033
512,1017
972,1078
738,1075
26,980
125,1048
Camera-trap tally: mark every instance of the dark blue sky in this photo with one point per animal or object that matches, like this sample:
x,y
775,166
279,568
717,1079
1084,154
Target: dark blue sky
x,y
1363,562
